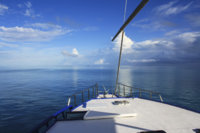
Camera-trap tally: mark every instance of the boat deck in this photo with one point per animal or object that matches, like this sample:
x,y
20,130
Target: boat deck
x,y
138,115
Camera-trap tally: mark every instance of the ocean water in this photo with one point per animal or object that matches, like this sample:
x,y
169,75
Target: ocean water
x,y
29,96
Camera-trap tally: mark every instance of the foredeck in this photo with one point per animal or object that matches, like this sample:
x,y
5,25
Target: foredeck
x,y
139,115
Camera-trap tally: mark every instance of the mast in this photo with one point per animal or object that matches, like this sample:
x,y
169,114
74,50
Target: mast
x,y
134,13
121,46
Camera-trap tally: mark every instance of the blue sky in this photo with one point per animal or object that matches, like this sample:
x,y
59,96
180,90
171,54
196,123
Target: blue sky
x,y
63,33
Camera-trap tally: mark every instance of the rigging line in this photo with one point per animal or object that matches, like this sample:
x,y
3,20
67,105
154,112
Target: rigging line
x,y
120,54
133,14
125,11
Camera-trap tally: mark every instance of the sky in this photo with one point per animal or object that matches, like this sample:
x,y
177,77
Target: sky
x,y
66,33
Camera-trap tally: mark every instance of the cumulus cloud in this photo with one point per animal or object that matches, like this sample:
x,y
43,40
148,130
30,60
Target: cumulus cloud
x,y
99,62
152,44
30,34
74,53
172,8
3,9
175,47
188,37
127,43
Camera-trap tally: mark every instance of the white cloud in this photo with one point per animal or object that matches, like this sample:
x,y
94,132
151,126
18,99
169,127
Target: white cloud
x,y
5,52
3,9
127,43
28,4
26,57
45,25
170,8
173,32
147,43
74,53
23,34
99,62
152,44
175,46
8,45
188,37
29,12
141,60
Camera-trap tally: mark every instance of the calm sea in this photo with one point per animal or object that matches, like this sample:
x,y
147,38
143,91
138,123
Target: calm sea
x,y
29,96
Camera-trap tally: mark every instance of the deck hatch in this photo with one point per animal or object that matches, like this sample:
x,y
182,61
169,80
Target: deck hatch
x,y
76,115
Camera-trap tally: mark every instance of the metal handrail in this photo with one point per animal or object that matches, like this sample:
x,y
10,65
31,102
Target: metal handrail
x,y
72,100
139,89
93,92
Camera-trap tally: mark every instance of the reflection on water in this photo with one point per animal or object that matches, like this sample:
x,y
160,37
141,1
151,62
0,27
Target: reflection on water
x,y
75,78
29,96
126,77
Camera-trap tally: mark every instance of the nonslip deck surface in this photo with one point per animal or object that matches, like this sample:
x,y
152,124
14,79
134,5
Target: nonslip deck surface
x,y
149,115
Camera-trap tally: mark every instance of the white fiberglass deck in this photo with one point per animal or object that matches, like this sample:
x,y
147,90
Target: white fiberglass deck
x,y
144,115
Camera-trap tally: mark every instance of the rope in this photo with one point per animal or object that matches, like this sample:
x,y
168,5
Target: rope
x,y
125,11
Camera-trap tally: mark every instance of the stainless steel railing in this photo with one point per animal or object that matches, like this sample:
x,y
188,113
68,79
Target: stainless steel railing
x,y
83,96
122,91
130,91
